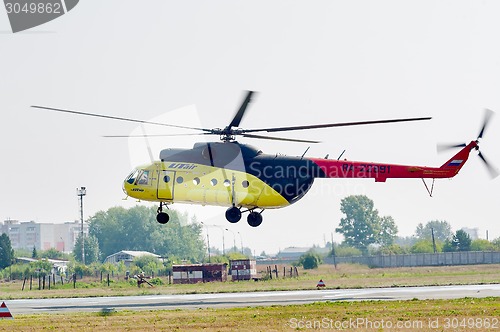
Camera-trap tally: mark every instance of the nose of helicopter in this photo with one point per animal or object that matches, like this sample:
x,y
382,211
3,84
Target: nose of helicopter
x,y
129,181
124,187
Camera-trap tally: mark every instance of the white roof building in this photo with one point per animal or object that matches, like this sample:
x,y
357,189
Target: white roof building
x,y
127,256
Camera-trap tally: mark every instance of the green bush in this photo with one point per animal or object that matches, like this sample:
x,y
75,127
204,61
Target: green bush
x,y
347,251
482,245
425,246
148,265
393,249
83,270
156,281
310,260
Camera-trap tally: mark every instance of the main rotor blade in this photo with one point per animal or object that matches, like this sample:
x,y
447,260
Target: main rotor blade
x,y
487,116
279,138
491,169
154,135
444,147
239,115
117,118
341,124
151,158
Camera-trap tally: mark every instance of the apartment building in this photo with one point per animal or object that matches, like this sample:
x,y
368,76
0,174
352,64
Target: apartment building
x,y
43,236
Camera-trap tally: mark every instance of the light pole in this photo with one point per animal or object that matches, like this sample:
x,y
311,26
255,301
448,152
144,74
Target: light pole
x,y
222,229
208,240
223,244
234,239
241,240
80,192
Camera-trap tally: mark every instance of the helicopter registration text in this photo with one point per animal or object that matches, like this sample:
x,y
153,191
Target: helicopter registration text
x,y
367,168
182,166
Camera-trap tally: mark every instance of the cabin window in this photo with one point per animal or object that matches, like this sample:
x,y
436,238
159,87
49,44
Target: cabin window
x,y
245,184
180,179
143,177
213,182
196,181
227,183
166,178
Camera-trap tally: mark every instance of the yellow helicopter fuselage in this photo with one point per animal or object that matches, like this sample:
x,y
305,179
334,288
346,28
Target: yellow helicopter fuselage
x,y
191,183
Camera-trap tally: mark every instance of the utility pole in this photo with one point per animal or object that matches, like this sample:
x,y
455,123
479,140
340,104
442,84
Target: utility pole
x,y
223,241
241,240
223,244
334,256
222,229
208,239
433,241
80,192
208,243
234,239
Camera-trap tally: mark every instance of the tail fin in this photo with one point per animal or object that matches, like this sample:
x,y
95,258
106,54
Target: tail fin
x,y
458,161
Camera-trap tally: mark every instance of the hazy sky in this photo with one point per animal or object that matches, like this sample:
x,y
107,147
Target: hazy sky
x,y
187,62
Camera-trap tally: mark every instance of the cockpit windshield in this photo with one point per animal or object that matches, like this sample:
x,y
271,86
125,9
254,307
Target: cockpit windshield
x,y
138,177
132,176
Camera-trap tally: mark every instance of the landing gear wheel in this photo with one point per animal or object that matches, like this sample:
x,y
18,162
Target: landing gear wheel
x,y
162,218
233,214
254,219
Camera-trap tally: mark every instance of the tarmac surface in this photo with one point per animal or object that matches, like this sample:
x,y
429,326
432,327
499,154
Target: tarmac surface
x,y
229,300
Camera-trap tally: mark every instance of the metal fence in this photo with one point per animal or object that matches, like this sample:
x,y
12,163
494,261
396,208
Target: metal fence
x,y
408,260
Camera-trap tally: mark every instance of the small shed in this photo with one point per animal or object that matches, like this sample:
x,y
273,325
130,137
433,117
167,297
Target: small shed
x,y
243,269
194,273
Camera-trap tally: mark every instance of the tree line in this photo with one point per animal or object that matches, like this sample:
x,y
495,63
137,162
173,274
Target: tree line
x,y
365,231
136,229
127,229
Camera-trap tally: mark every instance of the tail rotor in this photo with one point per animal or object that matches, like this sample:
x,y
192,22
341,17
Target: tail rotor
x,y
492,170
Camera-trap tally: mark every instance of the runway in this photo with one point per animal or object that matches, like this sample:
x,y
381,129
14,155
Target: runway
x,y
228,300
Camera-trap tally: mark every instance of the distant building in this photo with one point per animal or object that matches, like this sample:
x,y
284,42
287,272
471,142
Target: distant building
x,y
43,236
473,232
194,273
292,253
127,256
59,267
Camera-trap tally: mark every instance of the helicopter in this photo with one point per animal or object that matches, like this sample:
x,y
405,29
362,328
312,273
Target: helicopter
x,y
243,179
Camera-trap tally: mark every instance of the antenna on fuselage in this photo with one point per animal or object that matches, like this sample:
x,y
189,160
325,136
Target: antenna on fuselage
x,y
341,155
305,152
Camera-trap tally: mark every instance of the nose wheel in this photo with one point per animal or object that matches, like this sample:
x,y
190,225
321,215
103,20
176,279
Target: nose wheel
x,y
162,217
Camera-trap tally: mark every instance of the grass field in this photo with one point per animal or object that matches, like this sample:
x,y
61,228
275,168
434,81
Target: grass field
x,y
434,315
345,276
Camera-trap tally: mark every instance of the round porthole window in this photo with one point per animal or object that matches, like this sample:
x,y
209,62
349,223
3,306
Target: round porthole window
x,y
166,178
227,183
245,184
196,181
213,182
180,179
